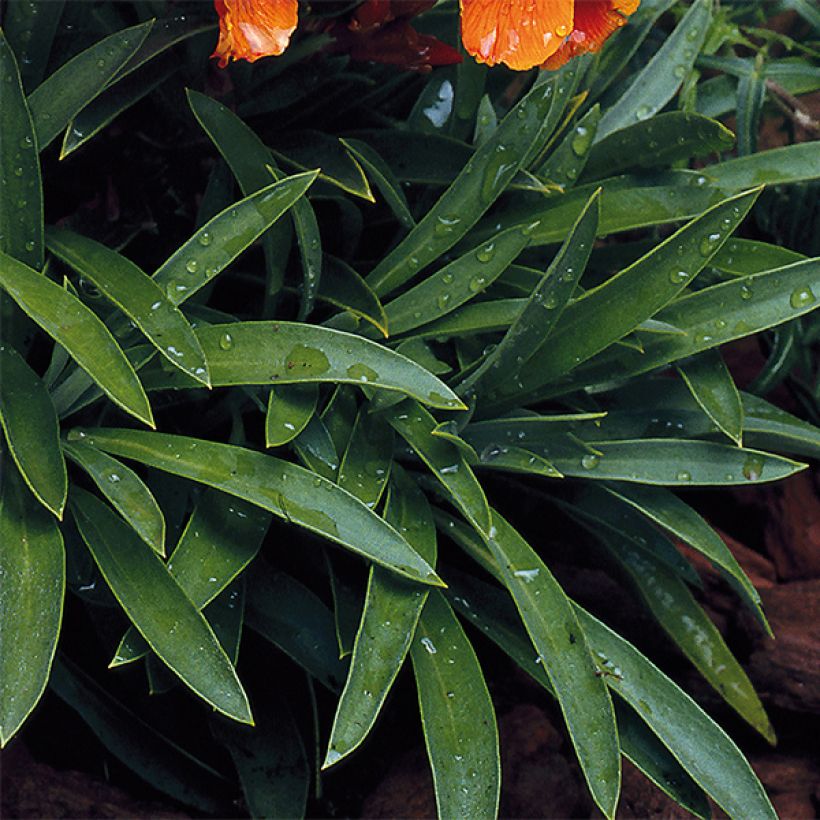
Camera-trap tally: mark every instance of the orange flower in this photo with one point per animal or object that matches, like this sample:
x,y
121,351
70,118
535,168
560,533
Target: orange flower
x,y
526,33
519,33
250,29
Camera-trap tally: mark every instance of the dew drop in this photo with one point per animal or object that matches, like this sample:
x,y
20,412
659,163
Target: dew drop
x,y
192,266
486,253
590,461
801,297
678,277
684,475
709,243
643,112
226,341
753,468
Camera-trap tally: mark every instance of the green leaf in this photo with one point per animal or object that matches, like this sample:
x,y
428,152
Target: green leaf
x,y
608,312
714,316
480,182
741,257
457,715
138,296
446,462
295,353
456,283
30,28
32,568
173,627
670,462
74,326
32,432
150,754
544,307
343,288
221,538
290,408
711,383
388,622
666,509
313,149
21,188
382,177
566,163
125,490
212,248
58,99
472,318
282,488
658,81
269,759
562,646
658,142
365,467
315,449
779,166
294,619
673,606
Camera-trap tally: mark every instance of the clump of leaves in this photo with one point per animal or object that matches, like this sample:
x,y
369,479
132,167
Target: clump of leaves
x,y
289,420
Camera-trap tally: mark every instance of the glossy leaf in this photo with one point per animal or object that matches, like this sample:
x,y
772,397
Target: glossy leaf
x,y
457,715
59,98
295,353
280,487
658,81
343,288
566,163
716,315
32,568
605,314
676,610
456,283
779,166
447,464
657,142
138,296
365,467
31,32
125,490
290,408
74,326
173,627
210,250
711,383
21,189
482,180
221,538
31,430
388,622
544,307
561,644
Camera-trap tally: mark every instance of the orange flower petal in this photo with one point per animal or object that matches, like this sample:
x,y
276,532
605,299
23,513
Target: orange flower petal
x,y
518,33
250,29
595,20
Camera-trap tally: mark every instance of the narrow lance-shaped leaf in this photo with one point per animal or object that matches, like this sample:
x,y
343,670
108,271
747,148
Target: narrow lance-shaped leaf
x,y
544,307
280,487
711,383
267,353
32,568
388,622
481,181
74,326
125,490
447,464
137,295
660,78
605,314
676,610
221,538
31,430
30,28
212,248
58,99
173,627
562,646
21,189
457,715
290,408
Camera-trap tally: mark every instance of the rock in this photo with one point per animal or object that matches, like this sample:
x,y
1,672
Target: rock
x,y
35,790
641,798
792,784
786,669
793,527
